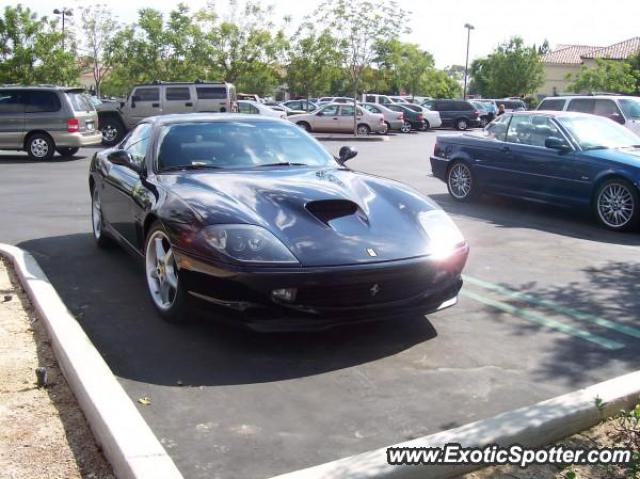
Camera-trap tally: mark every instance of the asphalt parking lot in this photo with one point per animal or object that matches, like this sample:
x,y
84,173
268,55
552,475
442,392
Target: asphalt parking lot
x,y
550,305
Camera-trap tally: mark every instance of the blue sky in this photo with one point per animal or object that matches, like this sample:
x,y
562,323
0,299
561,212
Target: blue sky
x,y
438,26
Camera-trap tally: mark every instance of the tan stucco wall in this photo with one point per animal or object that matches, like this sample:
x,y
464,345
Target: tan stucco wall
x,y
555,76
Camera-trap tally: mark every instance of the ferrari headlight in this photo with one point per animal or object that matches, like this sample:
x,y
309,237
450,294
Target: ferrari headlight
x,y
444,235
248,243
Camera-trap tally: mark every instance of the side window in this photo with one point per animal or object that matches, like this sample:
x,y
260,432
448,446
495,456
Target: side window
x,y
38,101
211,93
584,105
464,106
520,129
11,102
543,128
177,94
346,110
138,142
330,110
147,94
370,98
429,104
551,105
605,108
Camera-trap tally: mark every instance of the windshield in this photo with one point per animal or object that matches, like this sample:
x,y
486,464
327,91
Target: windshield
x,y
593,132
630,107
238,144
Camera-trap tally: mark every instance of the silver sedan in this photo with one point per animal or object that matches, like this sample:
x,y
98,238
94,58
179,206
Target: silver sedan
x,y
338,117
393,119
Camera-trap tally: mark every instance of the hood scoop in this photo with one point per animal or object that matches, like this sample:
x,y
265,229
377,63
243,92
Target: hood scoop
x,y
328,210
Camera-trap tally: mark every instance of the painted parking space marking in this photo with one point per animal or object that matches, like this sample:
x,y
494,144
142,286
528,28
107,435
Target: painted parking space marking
x,y
543,320
553,306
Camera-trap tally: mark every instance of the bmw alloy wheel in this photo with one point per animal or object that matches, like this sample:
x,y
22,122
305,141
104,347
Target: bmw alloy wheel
x,y
460,181
615,205
162,273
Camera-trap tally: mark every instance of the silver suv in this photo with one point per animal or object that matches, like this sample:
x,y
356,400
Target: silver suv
x,y
163,98
44,119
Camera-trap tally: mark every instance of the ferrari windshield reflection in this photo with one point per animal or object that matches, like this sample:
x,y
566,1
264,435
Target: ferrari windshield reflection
x,y
237,145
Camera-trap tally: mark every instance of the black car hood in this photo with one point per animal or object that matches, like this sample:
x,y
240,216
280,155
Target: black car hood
x,y
325,217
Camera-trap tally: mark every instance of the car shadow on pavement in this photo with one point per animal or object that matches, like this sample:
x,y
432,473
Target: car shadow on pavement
x,y
514,213
606,304
24,159
105,290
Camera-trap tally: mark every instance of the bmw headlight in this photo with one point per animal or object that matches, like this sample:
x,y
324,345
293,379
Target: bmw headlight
x,y
444,235
248,243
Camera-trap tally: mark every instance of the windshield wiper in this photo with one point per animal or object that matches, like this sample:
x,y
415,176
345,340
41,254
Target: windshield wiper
x,y
196,166
282,163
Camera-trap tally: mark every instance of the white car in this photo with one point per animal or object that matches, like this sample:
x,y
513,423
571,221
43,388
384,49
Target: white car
x,y
432,118
255,108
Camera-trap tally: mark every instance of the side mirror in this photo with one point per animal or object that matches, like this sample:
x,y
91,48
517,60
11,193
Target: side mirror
x,y
123,158
134,99
554,143
319,114
618,118
346,153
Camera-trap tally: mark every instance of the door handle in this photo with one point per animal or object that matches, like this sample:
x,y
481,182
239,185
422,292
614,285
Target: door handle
x,y
155,105
188,104
335,118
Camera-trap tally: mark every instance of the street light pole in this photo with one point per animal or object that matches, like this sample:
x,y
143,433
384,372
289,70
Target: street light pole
x,y
64,12
469,27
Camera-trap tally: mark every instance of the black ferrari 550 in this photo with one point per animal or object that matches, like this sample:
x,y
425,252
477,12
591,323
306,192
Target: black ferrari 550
x,y
255,216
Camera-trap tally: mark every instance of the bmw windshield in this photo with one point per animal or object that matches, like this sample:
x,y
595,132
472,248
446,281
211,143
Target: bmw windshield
x,y
594,132
237,145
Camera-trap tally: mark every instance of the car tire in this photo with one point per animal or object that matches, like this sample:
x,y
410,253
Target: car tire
x,y
40,146
97,222
305,126
616,205
424,126
164,286
406,127
67,151
387,128
112,131
462,124
461,182
363,130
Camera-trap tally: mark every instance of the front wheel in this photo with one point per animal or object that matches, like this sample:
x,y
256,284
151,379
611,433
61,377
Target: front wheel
x,y
363,130
97,221
460,182
461,124
112,131
616,205
406,127
67,151
163,281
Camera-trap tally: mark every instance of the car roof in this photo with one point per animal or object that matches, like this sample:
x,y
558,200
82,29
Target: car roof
x,y
552,113
596,97
209,117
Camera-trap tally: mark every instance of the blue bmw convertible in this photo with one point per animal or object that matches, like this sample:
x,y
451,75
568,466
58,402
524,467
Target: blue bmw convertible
x,y
563,158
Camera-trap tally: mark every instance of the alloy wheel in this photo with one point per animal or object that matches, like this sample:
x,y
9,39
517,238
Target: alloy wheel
x,y
96,215
362,130
39,147
615,205
161,270
460,181
109,133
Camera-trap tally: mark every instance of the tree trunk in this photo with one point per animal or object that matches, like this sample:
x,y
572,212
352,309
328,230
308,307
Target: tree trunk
x,y
355,105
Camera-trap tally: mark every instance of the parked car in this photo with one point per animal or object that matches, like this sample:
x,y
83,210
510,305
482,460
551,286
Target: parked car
x,y
511,104
43,119
250,97
337,117
393,119
301,105
162,98
414,119
574,160
431,118
459,114
376,98
622,109
487,114
254,217
255,108
335,99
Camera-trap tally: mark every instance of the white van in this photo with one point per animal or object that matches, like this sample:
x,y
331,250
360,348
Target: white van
x,y
622,109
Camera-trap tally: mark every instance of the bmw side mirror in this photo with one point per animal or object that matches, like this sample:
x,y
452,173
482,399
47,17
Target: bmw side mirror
x,y
346,153
556,144
123,158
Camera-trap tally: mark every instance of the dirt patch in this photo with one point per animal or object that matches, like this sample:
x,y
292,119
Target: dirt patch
x,y
43,433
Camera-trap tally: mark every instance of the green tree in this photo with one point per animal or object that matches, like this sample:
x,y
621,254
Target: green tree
x,y
31,49
403,64
607,76
440,84
313,63
359,25
98,28
512,69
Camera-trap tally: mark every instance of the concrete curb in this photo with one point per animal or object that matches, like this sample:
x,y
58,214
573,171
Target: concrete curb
x,y
126,440
353,138
537,425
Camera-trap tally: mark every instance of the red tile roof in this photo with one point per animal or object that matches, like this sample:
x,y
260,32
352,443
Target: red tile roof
x,y
569,54
618,51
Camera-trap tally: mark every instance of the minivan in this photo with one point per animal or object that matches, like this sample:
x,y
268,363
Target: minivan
x,y
622,109
44,119
459,114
